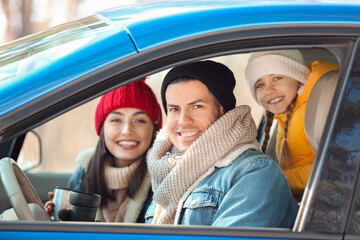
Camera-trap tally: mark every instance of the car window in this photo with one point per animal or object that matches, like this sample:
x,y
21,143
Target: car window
x,y
65,136
61,140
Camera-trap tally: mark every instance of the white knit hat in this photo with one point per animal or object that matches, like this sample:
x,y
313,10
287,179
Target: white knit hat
x,y
286,62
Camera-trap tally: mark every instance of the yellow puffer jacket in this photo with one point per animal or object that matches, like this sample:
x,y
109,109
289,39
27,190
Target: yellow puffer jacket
x,y
301,151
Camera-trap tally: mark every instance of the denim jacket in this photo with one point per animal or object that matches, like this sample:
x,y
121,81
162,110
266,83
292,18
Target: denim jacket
x,y
76,181
250,192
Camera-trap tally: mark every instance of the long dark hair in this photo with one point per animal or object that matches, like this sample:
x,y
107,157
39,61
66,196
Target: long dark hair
x,y
95,174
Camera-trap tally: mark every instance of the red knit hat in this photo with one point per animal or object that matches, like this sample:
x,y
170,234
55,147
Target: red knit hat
x,y
134,95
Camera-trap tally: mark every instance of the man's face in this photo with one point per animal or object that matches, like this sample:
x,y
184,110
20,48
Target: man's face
x,y
191,110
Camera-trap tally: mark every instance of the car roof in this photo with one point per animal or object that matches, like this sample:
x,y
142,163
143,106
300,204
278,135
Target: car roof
x,y
140,27
157,23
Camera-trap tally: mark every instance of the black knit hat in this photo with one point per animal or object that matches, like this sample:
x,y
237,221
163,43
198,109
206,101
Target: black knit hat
x,y
218,78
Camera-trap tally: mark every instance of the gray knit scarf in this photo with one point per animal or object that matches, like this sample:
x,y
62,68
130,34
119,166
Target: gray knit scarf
x,y
173,173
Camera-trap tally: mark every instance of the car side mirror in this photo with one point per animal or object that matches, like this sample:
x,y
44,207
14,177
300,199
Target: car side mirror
x,y
30,155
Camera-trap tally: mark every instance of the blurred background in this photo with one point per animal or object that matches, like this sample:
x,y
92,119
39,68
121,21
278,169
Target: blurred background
x,y
19,18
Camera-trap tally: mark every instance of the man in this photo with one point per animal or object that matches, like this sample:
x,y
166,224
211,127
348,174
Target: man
x,y
205,165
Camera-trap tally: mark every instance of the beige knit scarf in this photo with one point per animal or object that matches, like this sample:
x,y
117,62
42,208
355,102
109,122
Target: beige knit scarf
x,y
172,173
117,179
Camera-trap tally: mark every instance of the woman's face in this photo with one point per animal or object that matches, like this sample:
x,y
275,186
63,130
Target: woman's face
x,y
275,92
128,134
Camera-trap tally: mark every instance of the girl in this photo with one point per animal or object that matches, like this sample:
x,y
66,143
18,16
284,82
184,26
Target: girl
x,y
281,82
126,121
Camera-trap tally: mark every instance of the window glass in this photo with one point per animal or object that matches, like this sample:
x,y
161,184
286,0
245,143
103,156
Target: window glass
x,y
39,50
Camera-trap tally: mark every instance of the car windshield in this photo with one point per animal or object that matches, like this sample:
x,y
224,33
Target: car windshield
x,y
39,50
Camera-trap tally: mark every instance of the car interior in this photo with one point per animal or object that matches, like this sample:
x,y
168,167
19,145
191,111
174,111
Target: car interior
x,y
43,164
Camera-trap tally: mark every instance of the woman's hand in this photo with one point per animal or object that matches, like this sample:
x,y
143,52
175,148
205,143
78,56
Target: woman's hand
x,y
49,205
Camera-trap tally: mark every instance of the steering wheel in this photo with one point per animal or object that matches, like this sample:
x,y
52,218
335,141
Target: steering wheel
x,y
19,189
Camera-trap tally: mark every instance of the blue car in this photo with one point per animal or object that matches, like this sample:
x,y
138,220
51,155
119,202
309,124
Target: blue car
x,y
48,75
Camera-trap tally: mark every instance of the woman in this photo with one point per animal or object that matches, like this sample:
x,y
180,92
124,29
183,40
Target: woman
x,y
126,121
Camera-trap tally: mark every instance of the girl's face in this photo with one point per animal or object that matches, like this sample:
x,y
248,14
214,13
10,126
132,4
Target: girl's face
x,y
128,134
275,92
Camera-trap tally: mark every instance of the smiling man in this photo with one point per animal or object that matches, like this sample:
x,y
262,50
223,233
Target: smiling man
x,y
205,165
189,117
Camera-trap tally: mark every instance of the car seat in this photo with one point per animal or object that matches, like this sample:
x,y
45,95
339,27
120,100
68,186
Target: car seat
x,y
318,106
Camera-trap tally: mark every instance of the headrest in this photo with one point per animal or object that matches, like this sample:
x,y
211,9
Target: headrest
x,y
318,106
